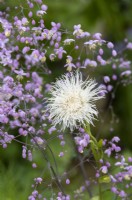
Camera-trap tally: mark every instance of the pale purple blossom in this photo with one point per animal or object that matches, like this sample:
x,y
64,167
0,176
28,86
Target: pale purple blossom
x,y
114,53
129,45
59,52
106,79
110,45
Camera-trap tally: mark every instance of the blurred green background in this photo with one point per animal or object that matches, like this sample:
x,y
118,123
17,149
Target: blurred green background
x,y
114,20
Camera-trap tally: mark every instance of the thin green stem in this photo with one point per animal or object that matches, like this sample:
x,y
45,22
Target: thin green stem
x,y
96,153
100,191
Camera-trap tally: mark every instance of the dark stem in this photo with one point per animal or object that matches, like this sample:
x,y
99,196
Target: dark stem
x,y
50,166
85,175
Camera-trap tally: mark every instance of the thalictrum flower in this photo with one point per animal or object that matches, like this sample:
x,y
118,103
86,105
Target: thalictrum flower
x,y
72,101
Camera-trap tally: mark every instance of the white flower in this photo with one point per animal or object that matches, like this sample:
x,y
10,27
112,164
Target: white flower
x,y
72,101
40,13
68,41
94,43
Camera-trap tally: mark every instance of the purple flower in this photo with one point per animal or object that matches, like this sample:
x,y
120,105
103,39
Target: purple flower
x,y
110,45
114,53
109,88
115,139
67,181
122,194
126,73
82,141
24,151
69,63
97,36
55,26
30,155
44,7
38,180
106,79
50,130
122,163
129,159
3,119
104,169
61,154
113,179
101,52
108,152
129,45
114,77
114,190
25,49
59,52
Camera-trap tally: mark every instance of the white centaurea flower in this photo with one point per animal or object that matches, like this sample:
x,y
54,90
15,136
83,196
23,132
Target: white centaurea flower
x,y
72,101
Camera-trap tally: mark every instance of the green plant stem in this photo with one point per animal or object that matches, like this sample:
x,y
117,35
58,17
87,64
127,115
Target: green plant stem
x,y
96,153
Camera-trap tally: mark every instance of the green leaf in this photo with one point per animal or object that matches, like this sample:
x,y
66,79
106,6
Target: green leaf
x,y
100,143
104,179
94,151
95,198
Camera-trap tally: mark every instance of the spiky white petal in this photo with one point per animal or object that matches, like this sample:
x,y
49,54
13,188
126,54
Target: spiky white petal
x,y
72,101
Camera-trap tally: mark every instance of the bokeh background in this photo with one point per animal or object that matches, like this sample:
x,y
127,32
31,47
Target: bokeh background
x,y
114,20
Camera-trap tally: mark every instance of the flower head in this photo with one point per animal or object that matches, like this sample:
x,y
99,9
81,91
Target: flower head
x,y
72,101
